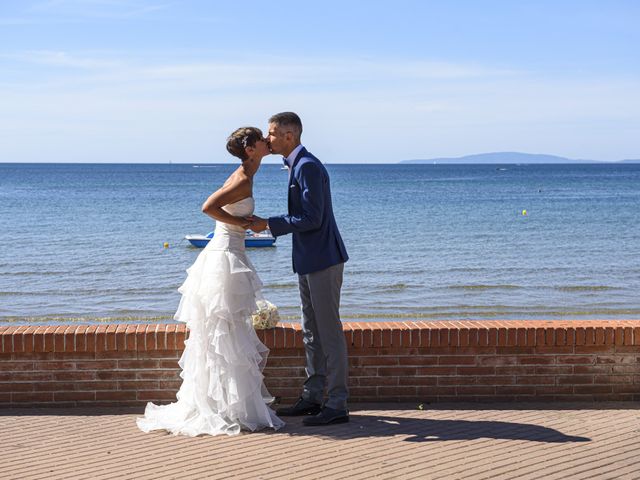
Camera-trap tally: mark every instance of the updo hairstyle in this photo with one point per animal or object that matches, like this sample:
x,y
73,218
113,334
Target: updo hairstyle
x,y
242,138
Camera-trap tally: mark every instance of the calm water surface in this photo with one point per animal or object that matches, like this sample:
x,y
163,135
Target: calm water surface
x,y
85,241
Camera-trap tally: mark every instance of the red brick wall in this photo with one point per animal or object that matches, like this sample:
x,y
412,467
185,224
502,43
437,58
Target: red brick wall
x,y
402,361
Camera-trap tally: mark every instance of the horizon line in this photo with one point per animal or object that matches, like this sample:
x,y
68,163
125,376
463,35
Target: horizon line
x,y
399,162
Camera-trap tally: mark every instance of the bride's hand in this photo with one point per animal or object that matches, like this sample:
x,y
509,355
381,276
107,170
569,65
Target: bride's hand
x,y
247,223
258,224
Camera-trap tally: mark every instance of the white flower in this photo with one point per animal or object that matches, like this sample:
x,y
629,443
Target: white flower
x,y
267,315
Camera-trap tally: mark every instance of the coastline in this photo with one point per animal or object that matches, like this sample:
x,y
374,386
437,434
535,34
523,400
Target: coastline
x,y
399,318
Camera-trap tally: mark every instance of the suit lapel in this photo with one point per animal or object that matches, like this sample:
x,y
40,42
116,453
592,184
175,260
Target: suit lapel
x,y
301,154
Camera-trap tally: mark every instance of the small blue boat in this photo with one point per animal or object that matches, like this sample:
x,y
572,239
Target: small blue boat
x,y
251,239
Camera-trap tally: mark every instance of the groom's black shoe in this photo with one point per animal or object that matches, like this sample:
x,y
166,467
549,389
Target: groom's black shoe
x,y
301,407
327,416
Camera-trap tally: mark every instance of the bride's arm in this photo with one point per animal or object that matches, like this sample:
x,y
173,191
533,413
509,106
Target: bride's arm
x,y
233,191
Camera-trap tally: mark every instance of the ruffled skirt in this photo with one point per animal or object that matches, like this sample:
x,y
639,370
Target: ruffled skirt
x,y
222,387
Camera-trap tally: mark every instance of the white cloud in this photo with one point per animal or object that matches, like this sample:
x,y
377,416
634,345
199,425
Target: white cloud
x,y
62,59
111,9
105,108
104,70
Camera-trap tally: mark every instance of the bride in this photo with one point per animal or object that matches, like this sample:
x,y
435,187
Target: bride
x,y
222,387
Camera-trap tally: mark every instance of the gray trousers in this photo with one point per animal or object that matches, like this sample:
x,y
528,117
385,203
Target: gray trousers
x,y
324,343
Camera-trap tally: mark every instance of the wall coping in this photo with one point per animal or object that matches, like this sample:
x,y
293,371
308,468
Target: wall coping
x,y
359,335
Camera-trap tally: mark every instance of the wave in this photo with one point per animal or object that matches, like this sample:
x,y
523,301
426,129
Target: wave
x,y
385,272
281,286
511,314
37,273
18,294
466,269
585,288
115,292
484,287
518,269
395,287
64,319
562,288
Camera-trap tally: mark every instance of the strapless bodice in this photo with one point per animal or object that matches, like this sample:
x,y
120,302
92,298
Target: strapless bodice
x,y
229,236
242,208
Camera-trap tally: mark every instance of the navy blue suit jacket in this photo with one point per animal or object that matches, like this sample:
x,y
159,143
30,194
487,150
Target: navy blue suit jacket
x,y
317,243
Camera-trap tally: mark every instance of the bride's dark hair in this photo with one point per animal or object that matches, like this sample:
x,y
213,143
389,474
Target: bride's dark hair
x,y
242,138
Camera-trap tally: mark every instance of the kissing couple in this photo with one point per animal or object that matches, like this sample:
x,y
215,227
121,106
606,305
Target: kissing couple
x,y
222,390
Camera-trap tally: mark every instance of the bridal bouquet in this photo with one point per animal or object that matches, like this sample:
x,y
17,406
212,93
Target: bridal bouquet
x,y
267,315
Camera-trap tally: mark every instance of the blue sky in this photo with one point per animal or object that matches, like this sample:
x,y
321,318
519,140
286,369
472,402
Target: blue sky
x,y
160,81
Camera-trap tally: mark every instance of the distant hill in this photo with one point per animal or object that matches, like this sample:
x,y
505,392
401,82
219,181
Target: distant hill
x,y
507,157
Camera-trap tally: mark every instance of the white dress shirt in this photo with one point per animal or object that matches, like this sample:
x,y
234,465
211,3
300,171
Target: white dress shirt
x,y
289,159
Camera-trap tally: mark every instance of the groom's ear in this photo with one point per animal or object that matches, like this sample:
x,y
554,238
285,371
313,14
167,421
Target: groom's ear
x,y
289,136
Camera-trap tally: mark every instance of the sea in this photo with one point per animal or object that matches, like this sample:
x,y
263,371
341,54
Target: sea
x,y
105,242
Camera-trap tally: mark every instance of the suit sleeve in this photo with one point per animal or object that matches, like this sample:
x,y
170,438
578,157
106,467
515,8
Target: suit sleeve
x,y
311,181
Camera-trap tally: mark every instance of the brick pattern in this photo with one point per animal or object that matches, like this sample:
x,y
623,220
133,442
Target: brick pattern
x,y
106,365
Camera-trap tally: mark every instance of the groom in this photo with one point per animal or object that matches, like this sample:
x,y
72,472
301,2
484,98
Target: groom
x,y
318,259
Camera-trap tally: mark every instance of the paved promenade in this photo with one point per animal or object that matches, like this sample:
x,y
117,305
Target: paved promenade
x,y
540,441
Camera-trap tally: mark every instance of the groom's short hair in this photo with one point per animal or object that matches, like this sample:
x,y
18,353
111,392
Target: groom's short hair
x,y
288,120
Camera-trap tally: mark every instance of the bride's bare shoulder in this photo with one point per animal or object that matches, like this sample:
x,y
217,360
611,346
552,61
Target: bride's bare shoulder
x,y
236,187
237,180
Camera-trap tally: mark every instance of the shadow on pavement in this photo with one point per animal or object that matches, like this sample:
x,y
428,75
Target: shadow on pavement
x,y
429,430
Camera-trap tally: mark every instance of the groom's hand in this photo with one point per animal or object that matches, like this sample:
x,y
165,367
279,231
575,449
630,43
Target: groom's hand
x,y
258,224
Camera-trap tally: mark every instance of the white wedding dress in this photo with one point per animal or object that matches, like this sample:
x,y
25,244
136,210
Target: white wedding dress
x,y
222,387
